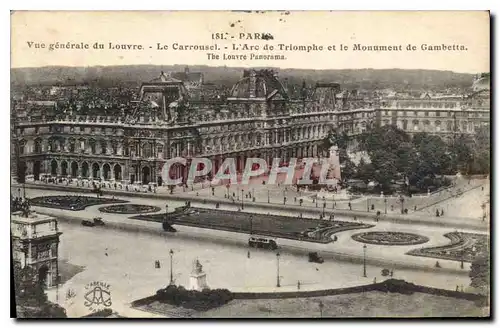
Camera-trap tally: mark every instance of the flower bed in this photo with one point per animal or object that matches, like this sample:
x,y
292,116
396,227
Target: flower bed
x,y
463,246
389,238
129,209
72,203
311,230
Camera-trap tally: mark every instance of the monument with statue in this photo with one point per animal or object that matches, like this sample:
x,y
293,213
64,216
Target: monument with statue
x,y
334,192
197,278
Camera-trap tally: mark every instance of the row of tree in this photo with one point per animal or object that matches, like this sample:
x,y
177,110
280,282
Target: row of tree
x,y
420,161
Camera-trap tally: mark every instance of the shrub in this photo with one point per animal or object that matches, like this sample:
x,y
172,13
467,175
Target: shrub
x,y
192,299
397,286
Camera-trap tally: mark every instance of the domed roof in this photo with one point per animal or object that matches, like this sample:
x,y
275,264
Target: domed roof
x,y
482,82
258,84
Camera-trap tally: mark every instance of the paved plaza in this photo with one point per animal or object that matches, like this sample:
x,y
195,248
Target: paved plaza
x,y
463,200
125,258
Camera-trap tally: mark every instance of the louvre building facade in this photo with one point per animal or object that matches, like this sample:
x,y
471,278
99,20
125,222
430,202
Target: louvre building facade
x,y
257,118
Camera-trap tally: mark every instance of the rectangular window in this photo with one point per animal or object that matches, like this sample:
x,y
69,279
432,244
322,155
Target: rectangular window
x,y
438,114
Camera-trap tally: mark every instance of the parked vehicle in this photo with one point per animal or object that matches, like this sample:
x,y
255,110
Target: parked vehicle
x,y
98,221
314,257
88,223
262,242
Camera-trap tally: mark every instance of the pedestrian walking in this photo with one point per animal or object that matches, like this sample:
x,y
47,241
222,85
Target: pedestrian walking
x,y
248,254
298,285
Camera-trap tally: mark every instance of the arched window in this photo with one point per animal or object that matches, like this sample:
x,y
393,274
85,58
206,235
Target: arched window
x,y
92,146
22,145
147,150
72,145
103,147
38,146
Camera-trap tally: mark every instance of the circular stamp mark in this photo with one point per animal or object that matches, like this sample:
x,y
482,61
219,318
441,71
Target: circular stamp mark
x,y
97,296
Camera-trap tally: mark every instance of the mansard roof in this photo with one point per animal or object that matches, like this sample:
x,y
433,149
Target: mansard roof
x,y
259,84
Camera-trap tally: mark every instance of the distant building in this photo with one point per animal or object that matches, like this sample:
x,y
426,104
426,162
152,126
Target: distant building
x,y
258,117
445,115
191,79
35,241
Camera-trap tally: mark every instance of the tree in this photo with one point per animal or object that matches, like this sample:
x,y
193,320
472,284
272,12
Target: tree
x,y
31,300
387,138
385,168
461,153
481,154
365,171
480,273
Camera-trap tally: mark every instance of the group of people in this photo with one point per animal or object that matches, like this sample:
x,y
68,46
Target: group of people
x,y
438,213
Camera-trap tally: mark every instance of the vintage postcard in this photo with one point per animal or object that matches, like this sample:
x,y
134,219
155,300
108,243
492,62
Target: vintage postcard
x,y
260,164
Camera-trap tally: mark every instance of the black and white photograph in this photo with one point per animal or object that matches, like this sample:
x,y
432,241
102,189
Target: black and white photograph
x,y
253,164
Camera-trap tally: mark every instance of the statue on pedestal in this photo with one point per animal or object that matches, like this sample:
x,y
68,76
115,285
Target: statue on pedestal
x,y
197,267
198,278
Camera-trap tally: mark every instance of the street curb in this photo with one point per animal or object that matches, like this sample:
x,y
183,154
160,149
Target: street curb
x,y
399,219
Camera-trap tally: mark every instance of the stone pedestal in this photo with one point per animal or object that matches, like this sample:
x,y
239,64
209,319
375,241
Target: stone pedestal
x,y
197,278
198,281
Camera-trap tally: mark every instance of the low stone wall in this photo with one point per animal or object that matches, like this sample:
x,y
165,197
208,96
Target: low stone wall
x,y
390,285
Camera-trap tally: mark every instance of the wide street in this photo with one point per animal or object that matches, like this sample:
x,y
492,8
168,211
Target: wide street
x,y
125,260
125,257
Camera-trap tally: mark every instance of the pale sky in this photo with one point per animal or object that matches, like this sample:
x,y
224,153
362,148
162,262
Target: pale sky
x,y
470,29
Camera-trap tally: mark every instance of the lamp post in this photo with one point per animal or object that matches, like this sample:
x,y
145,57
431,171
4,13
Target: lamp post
x,y
368,204
324,206
385,202
171,267
402,200
278,270
364,260
166,211
268,198
251,224
241,198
